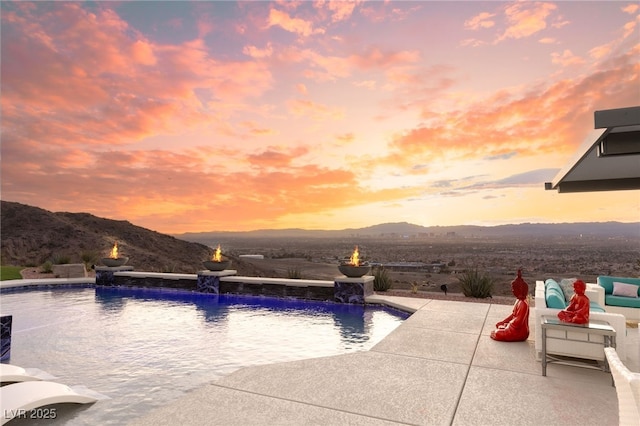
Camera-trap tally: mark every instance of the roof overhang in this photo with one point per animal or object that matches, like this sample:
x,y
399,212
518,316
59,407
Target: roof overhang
x,y
608,159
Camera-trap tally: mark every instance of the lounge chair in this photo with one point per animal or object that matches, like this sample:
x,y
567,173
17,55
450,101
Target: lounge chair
x,y
12,373
627,387
18,399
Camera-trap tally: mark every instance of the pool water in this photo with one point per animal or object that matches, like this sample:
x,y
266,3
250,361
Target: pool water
x,y
144,348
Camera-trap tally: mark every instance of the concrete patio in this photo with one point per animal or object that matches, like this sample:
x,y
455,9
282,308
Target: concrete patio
x,y
440,367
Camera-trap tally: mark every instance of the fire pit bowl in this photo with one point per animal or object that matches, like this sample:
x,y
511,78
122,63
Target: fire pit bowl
x,y
111,262
216,266
353,271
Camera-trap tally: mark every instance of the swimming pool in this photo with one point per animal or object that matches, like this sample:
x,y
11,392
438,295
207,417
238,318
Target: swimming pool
x,y
144,348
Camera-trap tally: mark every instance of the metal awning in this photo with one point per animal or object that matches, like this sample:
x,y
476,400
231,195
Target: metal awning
x,y
608,159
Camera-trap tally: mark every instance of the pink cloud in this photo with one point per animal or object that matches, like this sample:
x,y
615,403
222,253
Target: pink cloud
x,y
341,10
287,23
566,58
482,20
273,157
631,8
376,58
95,63
256,52
526,19
543,119
317,111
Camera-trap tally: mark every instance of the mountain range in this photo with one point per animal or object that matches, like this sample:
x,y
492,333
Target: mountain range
x,y
404,229
31,235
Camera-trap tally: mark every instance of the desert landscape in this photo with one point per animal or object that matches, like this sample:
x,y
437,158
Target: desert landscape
x,y
432,262
418,260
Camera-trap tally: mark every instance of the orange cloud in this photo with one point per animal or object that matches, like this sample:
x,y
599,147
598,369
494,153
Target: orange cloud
x,y
482,20
341,10
566,58
128,100
302,107
256,52
551,119
272,157
376,58
631,8
301,88
526,19
287,23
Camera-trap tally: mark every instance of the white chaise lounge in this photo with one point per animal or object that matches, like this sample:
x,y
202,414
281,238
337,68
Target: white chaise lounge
x,y
12,373
627,388
18,399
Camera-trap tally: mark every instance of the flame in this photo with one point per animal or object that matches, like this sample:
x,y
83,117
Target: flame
x,y
354,258
217,256
114,251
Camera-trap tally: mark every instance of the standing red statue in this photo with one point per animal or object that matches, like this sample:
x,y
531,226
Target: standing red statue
x,y
515,327
578,310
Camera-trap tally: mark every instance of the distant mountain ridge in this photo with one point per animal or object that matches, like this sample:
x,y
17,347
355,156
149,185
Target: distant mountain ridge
x,y
591,229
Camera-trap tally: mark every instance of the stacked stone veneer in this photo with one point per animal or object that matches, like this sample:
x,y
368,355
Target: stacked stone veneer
x,y
5,338
353,290
343,289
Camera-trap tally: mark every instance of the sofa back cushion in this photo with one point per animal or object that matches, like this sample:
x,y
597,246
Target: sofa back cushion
x,y
554,295
606,282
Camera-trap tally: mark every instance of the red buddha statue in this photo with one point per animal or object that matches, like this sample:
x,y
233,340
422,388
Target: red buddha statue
x,y
515,327
578,310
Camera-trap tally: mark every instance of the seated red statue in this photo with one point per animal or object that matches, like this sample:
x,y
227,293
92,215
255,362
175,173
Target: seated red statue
x,y
515,327
578,310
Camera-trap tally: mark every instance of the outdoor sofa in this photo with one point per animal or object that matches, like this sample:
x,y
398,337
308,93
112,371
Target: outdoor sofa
x,y
550,299
619,295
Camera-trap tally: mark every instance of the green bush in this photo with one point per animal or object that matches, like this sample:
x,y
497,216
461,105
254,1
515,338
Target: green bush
x,y
47,267
475,284
382,280
60,259
89,258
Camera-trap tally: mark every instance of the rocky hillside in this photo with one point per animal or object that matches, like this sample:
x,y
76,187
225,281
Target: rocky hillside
x,y
31,236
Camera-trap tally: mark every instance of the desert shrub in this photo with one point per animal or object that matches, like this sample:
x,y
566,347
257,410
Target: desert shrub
x,y
47,267
168,269
294,274
89,257
476,284
60,259
381,281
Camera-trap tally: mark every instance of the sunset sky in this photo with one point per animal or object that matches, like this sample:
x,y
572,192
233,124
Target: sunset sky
x,y
202,116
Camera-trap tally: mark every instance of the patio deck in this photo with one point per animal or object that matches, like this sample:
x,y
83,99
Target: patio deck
x,y
440,367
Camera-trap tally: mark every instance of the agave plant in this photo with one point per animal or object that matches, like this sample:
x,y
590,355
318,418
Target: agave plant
x,y
381,279
476,284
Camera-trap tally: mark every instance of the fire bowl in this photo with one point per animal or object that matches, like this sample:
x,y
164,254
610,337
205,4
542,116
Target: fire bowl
x,y
216,266
111,262
353,271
